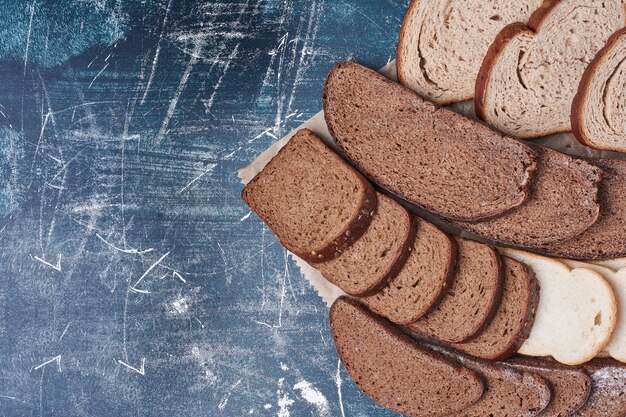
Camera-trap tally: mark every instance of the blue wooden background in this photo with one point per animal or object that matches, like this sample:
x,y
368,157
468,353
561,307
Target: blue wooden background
x,y
133,279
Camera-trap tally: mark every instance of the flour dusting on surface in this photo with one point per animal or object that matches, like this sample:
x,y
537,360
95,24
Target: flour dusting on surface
x,y
313,396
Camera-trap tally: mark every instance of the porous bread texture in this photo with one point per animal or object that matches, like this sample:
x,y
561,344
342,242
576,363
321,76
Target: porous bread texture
x,y
472,298
442,43
616,347
423,279
577,311
396,372
314,201
376,256
608,389
599,108
606,238
432,157
513,320
562,204
530,75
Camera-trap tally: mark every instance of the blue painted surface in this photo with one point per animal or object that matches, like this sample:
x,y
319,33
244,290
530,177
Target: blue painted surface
x,y
133,280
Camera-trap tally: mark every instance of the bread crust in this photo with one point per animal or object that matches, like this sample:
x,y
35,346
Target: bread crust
x,y
401,39
582,95
361,219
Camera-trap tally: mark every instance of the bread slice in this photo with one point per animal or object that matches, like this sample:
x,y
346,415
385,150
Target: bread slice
x,y
577,311
378,255
513,320
314,201
614,264
442,43
471,300
608,389
563,204
433,158
616,347
570,387
529,77
508,391
394,371
423,279
598,112
607,237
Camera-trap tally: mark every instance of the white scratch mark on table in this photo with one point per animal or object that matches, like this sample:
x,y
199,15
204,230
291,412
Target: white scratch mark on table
x,y
154,265
128,251
224,402
56,359
246,217
209,169
56,267
338,383
220,80
283,291
30,29
65,330
156,53
141,370
98,75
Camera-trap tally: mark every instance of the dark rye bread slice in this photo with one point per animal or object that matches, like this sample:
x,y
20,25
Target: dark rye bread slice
x,y
509,392
605,239
608,389
563,204
514,318
378,255
423,279
431,157
570,386
394,370
315,202
472,298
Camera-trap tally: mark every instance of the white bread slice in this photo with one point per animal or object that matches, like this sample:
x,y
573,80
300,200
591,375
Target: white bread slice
x,y
531,73
442,43
616,348
615,264
577,311
599,108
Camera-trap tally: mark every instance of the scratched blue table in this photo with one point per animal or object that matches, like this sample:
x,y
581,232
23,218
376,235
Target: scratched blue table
x,y
133,279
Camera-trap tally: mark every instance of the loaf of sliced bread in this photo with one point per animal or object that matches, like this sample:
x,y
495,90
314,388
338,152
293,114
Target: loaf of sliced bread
x,y
396,372
378,255
577,311
563,204
513,319
472,298
570,387
616,347
598,110
508,391
433,158
423,279
607,237
608,389
442,43
528,79
315,202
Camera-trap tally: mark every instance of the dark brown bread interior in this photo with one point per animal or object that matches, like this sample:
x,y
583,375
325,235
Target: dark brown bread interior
x,y
606,239
472,298
423,279
314,201
432,157
608,389
570,386
513,320
393,370
378,255
563,204
508,392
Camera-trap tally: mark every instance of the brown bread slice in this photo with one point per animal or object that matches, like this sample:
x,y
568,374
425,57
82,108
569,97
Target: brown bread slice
x,y
378,255
529,77
570,386
431,157
512,322
394,370
509,392
423,279
563,204
608,389
314,201
471,300
598,112
442,43
605,239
